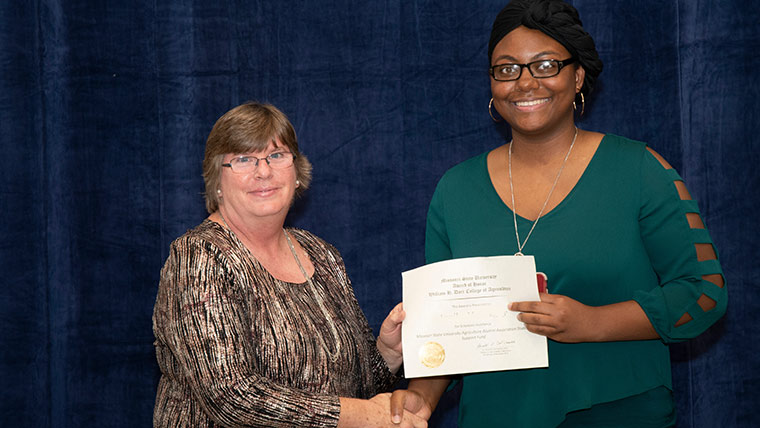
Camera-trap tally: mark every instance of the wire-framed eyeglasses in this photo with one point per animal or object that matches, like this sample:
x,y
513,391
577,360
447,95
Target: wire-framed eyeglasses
x,y
245,164
540,69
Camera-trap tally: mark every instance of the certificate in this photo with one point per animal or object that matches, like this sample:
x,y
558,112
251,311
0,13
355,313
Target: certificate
x,y
457,319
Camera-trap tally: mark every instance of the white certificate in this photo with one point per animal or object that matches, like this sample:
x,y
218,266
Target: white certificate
x,y
457,319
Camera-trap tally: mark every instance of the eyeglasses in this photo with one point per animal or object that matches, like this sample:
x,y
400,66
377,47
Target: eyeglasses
x,y
246,164
540,69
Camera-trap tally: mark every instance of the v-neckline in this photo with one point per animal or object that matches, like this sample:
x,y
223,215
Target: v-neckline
x,y
250,254
561,203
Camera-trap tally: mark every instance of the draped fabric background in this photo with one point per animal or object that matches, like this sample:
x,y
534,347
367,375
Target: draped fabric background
x,y
105,107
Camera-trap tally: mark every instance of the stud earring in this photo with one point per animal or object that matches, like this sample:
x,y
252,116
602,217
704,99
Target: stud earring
x,y
298,183
490,104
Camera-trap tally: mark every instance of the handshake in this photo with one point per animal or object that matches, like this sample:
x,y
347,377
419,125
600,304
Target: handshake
x,y
404,408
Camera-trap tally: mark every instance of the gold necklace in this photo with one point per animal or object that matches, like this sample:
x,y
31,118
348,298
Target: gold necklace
x,y
512,192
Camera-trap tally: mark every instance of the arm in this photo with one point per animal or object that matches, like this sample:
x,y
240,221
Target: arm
x,y
437,246
385,351
564,319
206,328
690,297
206,325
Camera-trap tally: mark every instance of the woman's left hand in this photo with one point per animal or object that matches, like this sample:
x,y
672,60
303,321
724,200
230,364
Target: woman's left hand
x,y
559,318
389,339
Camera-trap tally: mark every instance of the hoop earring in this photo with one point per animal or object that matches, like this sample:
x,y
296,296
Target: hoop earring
x,y
583,105
490,104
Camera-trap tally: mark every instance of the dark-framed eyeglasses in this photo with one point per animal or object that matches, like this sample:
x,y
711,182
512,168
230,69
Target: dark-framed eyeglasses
x,y
245,164
540,69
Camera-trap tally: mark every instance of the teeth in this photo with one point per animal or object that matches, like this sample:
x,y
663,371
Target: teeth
x,y
531,103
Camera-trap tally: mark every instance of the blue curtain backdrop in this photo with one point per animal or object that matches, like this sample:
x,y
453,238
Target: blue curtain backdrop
x,y
105,107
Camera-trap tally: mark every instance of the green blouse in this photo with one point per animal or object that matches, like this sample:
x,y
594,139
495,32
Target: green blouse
x,y
620,234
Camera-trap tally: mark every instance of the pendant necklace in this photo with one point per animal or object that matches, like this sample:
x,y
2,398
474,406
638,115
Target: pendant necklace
x,y
512,192
332,355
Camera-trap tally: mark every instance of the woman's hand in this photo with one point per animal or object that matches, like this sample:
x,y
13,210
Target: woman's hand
x,y
403,420
559,318
419,399
374,413
567,320
404,401
389,339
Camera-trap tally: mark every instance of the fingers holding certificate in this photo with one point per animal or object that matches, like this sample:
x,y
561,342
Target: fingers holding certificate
x,y
458,321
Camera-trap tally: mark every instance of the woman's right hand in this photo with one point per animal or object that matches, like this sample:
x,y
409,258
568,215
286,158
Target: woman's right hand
x,y
404,402
402,419
373,413
419,399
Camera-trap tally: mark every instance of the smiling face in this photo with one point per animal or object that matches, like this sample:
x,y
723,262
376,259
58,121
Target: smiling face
x,y
533,106
265,193
247,129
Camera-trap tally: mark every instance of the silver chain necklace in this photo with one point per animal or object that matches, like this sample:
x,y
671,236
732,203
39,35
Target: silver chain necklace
x,y
512,192
332,355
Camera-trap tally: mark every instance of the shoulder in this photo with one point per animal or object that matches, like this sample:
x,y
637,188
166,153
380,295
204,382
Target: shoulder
x,y
196,259
651,172
207,237
623,144
462,176
639,148
659,158
205,231
627,153
628,145
468,167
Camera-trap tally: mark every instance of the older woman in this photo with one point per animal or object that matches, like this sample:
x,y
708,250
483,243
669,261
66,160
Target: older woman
x,y
630,264
255,324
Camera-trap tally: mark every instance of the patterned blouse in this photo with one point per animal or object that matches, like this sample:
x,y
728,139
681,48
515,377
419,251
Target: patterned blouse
x,y
237,347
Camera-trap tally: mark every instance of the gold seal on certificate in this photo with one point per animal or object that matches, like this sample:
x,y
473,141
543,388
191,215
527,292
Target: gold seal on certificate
x,y
460,306
432,354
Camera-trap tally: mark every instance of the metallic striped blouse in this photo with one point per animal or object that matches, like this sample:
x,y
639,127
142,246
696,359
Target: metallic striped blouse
x,y
237,347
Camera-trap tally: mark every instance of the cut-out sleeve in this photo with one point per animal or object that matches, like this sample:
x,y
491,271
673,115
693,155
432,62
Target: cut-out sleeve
x,y
206,325
691,294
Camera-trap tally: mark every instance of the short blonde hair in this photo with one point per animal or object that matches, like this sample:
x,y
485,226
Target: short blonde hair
x,y
250,127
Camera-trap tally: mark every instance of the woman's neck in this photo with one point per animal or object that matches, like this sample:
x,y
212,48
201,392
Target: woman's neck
x,y
263,237
543,148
